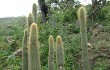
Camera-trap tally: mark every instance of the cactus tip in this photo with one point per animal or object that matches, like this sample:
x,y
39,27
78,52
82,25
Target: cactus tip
x,y
82,14
34,26
30,14
25,31
51,41
81,9
59,40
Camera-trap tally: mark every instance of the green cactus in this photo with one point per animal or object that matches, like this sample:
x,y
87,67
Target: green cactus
x,y
59,54
34,12
33,50
24,52
51,53
30,21
83,31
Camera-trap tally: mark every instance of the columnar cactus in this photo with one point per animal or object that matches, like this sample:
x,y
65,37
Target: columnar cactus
x,y
24,52
59,54
51,53
30,21
33,50
83,31
34,12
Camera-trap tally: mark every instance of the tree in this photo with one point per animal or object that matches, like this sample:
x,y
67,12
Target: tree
x,y
44,9
96,7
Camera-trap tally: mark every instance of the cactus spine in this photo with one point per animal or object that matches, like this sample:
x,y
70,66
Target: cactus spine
x,y
51,53
59,54
33,50
83,31
34,12
24,52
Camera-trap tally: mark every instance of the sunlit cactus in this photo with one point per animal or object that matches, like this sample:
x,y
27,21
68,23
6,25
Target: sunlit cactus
x,y
83,32
25,51
34,12
33,50
51,53
59,54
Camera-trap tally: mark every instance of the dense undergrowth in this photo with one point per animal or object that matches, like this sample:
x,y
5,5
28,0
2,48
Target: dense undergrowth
x,y
59,23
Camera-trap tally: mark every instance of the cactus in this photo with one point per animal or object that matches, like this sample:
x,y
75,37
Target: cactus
x,y
33,50
83,31
59,54
30,21
51,53
24,52
34,12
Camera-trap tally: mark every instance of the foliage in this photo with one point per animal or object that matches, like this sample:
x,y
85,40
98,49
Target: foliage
x,y
61,22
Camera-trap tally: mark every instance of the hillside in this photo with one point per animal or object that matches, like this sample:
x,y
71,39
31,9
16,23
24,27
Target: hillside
x,y
63,23
11,34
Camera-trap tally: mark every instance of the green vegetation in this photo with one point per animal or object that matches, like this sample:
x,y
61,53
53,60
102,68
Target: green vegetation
x,y
62,23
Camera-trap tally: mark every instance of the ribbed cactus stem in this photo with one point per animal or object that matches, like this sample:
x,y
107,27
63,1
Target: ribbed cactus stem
x,y
25,51
51,53
83,32
34,12
33,51
30,21
59,54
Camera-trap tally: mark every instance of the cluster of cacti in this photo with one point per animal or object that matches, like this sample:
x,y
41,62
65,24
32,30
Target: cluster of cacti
x,y
31,58
26,43
83,31
31,54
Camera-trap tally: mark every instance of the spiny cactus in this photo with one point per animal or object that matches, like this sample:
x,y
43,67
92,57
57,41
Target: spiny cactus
x,y
59,54
24,52
83,31
34,12
51,53
30,21
33,50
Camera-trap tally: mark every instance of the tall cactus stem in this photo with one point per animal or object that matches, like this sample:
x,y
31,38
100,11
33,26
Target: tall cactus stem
x,y
33,51
59,53
30,21
83,32
25,51
34,12
51,53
